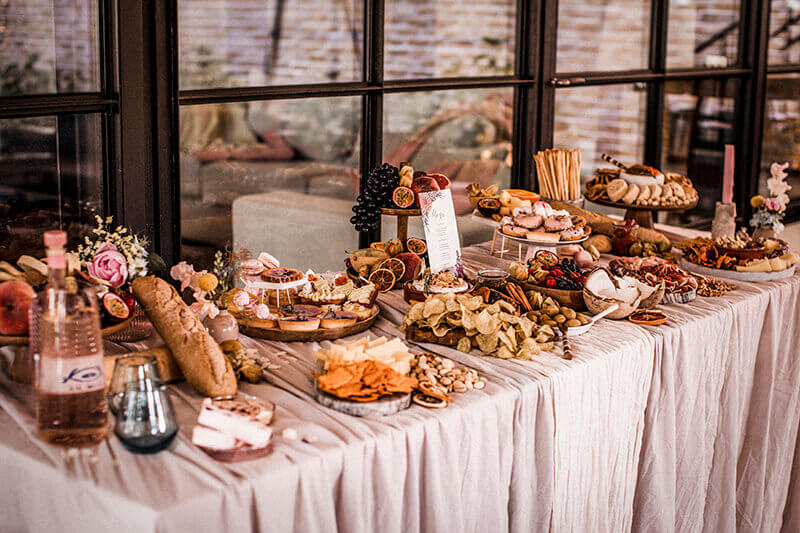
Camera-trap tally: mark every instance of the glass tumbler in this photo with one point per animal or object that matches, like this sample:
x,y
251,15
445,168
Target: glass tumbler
x,y
127,369
146,420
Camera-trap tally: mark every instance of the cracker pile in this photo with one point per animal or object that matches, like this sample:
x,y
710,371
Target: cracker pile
x,y
364,381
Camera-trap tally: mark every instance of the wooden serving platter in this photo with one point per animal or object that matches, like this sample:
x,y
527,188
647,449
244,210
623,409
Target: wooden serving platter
x,y
397,212
236,455
388,405
573,299
319,334
23,340
451,338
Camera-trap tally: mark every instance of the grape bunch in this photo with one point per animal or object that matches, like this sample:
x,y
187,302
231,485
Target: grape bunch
x,y
377,193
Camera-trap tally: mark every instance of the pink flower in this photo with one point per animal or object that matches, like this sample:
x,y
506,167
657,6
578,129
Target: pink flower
x,y
109,265
180,271
774,204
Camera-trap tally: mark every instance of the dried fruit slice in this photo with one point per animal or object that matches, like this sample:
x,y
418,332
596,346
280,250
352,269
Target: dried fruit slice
x,y
397,266
383,278
489,206
418,246
546,257
403,197
115,306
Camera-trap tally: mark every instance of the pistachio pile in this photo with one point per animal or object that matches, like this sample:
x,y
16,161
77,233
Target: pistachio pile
x,y
441,373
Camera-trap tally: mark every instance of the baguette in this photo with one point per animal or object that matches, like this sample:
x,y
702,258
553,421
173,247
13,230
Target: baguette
x,y
199,357
167,367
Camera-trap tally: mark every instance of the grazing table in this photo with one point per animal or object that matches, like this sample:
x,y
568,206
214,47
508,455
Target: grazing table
x,y
688,426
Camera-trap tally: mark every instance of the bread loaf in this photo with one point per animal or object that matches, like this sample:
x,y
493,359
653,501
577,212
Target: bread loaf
x,y
199,357
167,367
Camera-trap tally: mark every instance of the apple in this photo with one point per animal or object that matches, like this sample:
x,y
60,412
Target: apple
x,y
441,180
423,184
15,299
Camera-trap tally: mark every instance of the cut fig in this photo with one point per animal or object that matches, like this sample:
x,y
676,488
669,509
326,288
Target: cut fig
x,y
489,206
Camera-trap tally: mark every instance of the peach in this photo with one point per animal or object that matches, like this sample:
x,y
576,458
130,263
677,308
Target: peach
x,y
15,299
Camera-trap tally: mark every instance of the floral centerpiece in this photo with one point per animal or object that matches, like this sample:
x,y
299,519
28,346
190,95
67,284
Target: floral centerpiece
x,y
769,212
116,257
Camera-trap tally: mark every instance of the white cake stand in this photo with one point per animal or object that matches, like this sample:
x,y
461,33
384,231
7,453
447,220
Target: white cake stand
x,y
256,285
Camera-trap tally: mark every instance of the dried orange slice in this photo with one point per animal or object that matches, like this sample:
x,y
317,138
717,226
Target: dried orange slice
x,y
397,266
383,278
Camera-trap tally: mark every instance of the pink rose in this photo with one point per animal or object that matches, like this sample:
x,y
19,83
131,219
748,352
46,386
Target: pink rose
x,y
773,204
109,265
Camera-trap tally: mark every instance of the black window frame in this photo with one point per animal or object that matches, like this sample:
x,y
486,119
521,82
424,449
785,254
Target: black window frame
x,y
140,99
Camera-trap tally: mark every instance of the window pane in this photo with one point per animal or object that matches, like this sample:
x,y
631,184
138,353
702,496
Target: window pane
x,y
602,35
784,32
782,130
437,38
463,134
702,33
601,119
48,46
269,42
698,123
52,176
277,176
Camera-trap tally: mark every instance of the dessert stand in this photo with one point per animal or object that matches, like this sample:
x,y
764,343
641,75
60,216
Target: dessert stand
x,y
262,288
402,219
643,214
530,246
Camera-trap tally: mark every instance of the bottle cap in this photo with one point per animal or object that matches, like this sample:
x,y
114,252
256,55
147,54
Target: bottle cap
x,y
55,238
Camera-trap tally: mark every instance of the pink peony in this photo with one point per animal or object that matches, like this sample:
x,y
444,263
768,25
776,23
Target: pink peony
x,y
109,265
774,204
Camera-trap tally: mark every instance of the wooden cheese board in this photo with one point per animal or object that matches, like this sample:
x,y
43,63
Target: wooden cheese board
x,y
319,334
643,214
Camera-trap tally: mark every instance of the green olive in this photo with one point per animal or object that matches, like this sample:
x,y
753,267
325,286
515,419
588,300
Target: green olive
x,y
560,319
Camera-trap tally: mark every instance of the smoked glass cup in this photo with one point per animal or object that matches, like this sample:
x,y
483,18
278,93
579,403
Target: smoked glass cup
x,y
146,420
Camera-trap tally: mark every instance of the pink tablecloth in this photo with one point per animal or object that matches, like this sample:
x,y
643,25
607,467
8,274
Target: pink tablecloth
x,y
689,426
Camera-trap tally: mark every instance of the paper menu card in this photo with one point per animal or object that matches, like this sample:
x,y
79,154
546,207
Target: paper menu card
x,y
441,231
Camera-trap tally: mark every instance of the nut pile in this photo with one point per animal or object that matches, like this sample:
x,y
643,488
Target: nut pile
x,y
442,373
712,286
547,312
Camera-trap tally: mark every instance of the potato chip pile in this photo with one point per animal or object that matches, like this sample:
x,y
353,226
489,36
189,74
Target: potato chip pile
x,y
364,381
493,328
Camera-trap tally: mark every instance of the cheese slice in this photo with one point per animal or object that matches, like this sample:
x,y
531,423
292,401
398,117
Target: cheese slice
x,y
543,236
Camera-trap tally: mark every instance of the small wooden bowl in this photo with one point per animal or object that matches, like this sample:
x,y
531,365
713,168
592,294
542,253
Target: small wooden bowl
x,y
657,319
572,299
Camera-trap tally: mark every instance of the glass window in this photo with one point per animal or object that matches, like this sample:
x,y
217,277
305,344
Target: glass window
x,y
437,38
276,176
784,32
604,119
698,123
602,35
52,176
256,42
48,46
702,33
463,134
781,141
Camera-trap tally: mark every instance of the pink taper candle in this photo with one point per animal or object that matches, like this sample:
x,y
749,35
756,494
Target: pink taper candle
x,y
727,178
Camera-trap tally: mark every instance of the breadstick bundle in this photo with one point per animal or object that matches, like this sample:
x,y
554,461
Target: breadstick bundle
x,y
559,173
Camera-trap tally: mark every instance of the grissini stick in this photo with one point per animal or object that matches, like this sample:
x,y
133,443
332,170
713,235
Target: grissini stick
x,y
198,355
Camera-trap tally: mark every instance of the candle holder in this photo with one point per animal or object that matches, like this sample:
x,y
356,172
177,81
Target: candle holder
x,y
724,224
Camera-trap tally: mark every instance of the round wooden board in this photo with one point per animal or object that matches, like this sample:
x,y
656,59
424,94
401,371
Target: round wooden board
x,y
243,453
573,299
397,212
636,207
451,338
319,334
110,330
734,274
388,405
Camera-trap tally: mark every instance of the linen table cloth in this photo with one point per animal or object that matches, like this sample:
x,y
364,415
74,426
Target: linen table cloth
x,y
687,426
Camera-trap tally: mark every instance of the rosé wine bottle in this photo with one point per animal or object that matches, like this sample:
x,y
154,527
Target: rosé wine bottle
x,y
70,387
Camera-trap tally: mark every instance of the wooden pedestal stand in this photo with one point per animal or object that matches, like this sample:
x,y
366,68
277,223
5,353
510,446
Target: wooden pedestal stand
x,y
402,220
643,214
